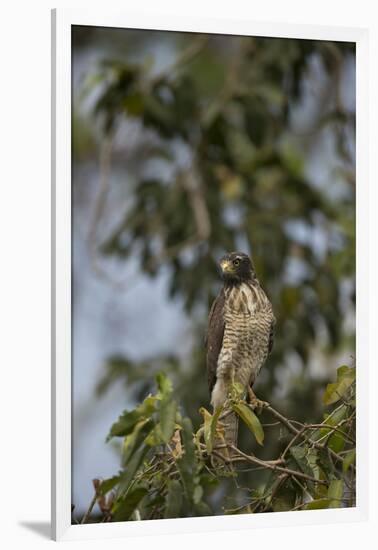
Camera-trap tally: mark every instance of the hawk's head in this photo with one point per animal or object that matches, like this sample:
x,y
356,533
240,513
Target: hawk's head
x,y
237,267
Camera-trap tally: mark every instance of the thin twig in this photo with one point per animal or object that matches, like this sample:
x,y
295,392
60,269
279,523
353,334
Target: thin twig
x,y
90,508
297,432
98,212
332,428
269,466
292,441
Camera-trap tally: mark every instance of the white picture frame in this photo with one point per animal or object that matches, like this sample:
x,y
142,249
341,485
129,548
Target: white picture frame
x,y
62,20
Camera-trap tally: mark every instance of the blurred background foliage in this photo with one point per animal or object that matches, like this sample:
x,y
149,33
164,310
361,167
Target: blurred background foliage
x,y
205,144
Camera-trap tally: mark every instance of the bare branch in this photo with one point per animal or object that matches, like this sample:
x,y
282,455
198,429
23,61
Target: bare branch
x,y
90,507
270,466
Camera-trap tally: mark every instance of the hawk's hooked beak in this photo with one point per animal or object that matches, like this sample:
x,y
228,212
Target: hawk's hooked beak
x,y
226,266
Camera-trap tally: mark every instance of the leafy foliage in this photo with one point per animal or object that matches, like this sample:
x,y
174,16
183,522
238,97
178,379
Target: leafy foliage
x,y
167,470
251,420
161,474
345,378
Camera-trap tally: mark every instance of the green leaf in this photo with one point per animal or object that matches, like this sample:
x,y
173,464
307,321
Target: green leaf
x,y
133,103
336,442
335,417
349,459
164,384
128,419
300,456
187,437
167,409
202,509
173,501
133,440
155,437
283,502
332,420
207,417
312,460
335,493
345,378
108,484
132,467
124,507
320,491
187,463
298,453
291,159
318,504
210,426
125,424
197,494
251,420
325,463
280,496
157,501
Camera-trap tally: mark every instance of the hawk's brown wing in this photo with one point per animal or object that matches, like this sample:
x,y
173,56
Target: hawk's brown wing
x,y
271,336
214,338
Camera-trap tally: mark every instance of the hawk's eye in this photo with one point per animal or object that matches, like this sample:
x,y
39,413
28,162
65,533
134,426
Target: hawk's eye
x,y
236,262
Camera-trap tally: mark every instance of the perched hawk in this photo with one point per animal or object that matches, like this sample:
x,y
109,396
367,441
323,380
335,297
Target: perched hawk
x,y
239,336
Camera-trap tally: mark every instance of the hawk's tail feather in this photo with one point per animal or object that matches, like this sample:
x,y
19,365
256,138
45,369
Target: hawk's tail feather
x,y
230,424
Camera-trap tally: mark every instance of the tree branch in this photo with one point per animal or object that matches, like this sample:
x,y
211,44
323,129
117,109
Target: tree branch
x,y
275,467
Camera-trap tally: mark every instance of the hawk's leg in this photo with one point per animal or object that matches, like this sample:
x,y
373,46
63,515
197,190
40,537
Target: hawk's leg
x,y
254,401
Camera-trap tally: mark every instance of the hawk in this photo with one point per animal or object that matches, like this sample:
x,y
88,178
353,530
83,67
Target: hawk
x,y
239,335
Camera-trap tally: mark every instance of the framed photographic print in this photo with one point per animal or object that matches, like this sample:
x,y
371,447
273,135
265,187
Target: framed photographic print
x,y
210,365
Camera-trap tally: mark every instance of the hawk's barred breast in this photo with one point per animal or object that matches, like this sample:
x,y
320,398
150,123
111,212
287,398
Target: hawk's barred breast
x,y
248,323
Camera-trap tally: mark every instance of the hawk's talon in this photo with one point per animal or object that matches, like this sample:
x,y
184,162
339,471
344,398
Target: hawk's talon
x,y
255,402
258,405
